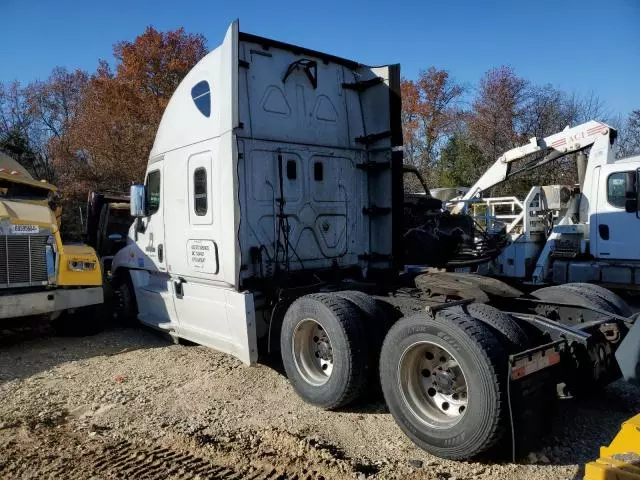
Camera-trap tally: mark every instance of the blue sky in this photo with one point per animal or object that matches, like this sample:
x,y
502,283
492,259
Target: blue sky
x,y
576,45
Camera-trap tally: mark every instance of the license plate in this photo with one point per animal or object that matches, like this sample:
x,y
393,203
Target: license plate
x,y
24,229
535,363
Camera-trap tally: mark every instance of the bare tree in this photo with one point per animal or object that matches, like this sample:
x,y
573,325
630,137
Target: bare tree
x,y
54,103
14,115
17,131
582,108
32,116
629,136
497,111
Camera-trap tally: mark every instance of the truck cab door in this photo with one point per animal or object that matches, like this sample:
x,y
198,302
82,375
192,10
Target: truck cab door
x,y
153,294
616,229
201,238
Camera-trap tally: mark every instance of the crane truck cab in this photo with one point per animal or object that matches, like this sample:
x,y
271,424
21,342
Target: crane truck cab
x,y
39,275
271,218
614,220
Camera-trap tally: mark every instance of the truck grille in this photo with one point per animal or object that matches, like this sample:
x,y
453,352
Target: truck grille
x,y
23,260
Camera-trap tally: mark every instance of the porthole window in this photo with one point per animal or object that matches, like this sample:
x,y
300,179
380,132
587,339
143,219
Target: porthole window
x,y
201,95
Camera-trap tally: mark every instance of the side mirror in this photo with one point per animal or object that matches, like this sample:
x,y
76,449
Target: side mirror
x,y
631,194
138,202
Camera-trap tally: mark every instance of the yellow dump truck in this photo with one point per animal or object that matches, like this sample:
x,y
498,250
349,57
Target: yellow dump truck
x,y
38,274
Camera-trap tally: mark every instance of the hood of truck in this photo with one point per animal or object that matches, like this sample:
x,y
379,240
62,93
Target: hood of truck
x,y
22,212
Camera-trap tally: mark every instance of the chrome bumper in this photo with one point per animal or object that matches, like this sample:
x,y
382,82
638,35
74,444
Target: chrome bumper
x,y
39,303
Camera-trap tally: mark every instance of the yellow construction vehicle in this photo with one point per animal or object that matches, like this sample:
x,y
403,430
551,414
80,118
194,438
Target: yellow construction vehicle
x,y
621,459
39,275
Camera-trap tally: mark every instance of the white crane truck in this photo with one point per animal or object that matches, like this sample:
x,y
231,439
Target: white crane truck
x,y
566,233
271,218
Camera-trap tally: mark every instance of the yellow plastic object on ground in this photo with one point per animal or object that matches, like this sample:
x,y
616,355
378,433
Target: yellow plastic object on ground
x,y
621,459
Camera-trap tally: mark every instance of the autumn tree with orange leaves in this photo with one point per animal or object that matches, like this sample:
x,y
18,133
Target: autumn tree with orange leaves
x,y
95,131
113,131
431,110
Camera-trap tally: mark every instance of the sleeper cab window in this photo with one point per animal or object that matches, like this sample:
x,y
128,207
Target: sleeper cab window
x,y
200,191
617,189
201,95
153,192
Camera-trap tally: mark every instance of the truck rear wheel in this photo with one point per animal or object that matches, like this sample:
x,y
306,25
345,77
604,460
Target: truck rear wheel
x,y
512,335
576,296
324,350
444,381
619,305
125,308
588,368
376,322
80,322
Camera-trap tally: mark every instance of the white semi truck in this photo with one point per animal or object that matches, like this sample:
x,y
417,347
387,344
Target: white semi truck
x,y
271,218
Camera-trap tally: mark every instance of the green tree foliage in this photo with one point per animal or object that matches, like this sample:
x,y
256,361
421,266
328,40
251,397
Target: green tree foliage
x,y
460,162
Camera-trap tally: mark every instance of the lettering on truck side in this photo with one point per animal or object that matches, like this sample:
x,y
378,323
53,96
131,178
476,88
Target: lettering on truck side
x,y
202,256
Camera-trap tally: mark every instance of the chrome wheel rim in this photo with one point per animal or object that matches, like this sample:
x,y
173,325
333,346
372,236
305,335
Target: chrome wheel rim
x,y
433,385
312,352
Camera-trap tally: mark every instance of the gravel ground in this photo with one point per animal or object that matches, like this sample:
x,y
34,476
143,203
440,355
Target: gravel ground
x,y
128,404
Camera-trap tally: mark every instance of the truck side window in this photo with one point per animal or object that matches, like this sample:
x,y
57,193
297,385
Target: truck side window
x,y
617,189
200,191
153,192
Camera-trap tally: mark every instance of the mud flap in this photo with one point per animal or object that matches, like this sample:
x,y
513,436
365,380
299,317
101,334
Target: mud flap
x,y
628,355
532,394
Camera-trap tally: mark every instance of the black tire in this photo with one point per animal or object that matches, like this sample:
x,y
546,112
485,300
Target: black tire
x,y
514,338
125,307
619,305
80,322
377,323
578,365
343,323
483,362
568,315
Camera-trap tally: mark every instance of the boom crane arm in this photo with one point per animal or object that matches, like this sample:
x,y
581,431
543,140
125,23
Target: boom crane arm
x,y
554,146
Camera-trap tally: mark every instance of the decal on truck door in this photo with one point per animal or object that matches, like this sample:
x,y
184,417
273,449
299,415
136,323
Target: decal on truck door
x,y
203,256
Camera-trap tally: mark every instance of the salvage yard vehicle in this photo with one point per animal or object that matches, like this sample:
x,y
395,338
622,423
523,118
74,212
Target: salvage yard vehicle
x,y
271,218
39,275
106,225
564,233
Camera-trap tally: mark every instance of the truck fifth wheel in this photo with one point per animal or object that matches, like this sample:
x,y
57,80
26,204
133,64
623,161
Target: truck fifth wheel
x,y
271,218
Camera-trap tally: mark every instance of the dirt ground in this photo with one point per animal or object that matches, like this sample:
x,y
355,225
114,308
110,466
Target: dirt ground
x,y
127,403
